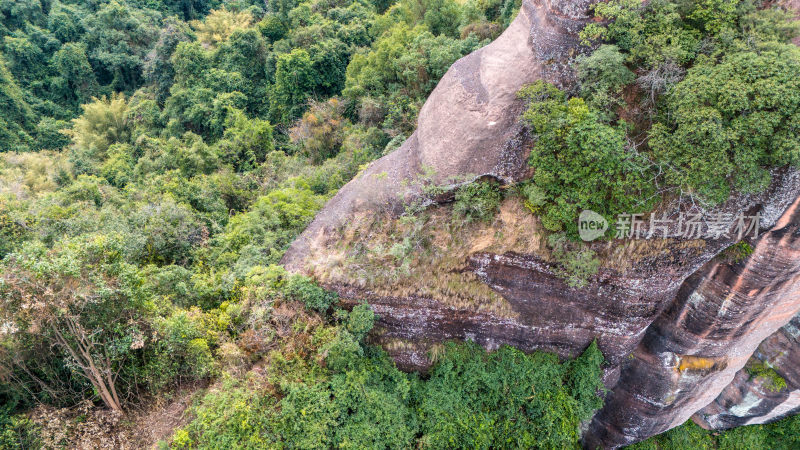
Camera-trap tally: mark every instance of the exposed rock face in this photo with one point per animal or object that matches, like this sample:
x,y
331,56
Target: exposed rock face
x,y
751,400
470,122
694,349
676,324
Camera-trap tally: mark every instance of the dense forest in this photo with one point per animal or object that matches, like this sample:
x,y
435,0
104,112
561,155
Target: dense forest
x,y
157,158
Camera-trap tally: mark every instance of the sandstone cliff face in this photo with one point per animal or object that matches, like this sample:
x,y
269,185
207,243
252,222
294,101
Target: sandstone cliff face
x,y
750,399
693,350
677,324
468,125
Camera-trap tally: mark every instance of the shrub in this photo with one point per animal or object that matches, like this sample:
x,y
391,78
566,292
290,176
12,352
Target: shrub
x,y
304,290
772,381
104,122
737,252
246,142
477,201
729,121
575,266
259,236
321,130
360,321
18,432
220,24
580,162
602,75
507,399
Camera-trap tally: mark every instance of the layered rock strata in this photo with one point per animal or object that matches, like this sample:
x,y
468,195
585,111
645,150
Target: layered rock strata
x,y
676,322
754,399
695,348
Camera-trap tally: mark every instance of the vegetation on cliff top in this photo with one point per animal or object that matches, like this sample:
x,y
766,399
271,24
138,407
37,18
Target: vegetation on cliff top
x,y
157,158
686,99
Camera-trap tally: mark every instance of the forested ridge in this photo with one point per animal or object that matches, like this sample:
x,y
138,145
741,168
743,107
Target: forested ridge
x,y
157,159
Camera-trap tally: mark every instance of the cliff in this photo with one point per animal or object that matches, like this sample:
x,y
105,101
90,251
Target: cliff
x,y
676,321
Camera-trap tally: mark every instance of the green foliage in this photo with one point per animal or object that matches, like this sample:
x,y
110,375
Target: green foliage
x,y
507,399
261,235
580,163
688,435
157,68
104,122
169,232
781,435
477,201
360,321
712,74
17,122
354,397
182,348
321,131
602,76
181,175
246,142
737,252
729,121
232,416
304,290
650,33
86,316
772,381
117,39
77,82
17,432
575,266
402,68
294,82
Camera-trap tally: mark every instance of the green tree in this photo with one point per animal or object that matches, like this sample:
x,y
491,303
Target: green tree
x,y
18,118
294,85
507,399
729,121
78,306
76,83
602,76
104,121
117,39
158,68
580,163
246,142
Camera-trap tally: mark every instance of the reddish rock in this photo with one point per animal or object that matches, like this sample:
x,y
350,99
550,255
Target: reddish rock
x,y
749,400
675,324
694,349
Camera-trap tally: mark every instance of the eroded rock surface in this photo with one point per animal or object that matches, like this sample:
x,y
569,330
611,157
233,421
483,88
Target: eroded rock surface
x,y
677,324
694,349
750,399
470,123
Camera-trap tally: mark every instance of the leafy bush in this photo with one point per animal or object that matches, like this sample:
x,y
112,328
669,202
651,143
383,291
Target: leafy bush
x,y
602,76
772,381
304,290
321,131
713,71
17,432
730,120
477,201
580,163
737,252
360,321
507,399
781,435
104,122
575,266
